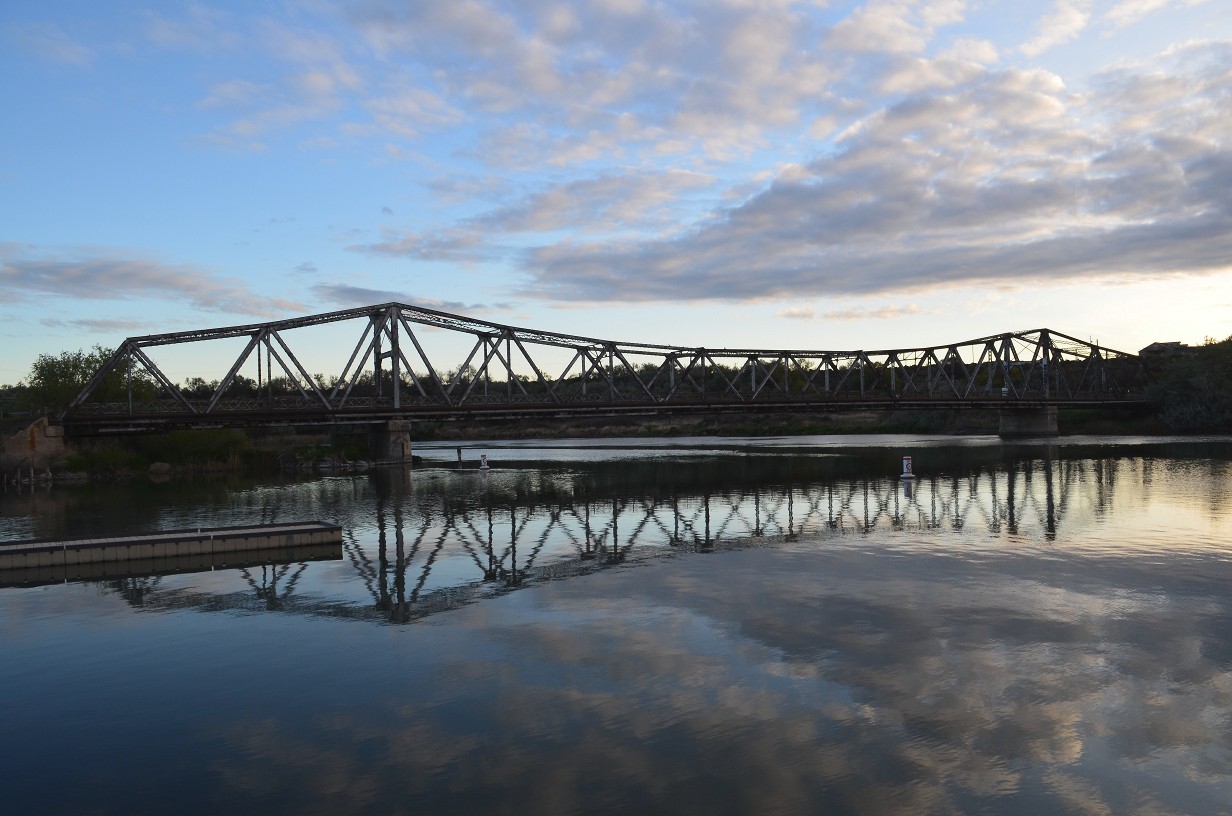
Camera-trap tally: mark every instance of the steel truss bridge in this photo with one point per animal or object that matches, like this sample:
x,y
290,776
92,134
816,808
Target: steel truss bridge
x,y
513,372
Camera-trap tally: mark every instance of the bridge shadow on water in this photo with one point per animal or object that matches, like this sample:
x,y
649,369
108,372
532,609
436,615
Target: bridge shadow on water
x,y
421,542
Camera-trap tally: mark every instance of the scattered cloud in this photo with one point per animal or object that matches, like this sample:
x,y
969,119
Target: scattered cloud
x,y
981,52
796,313
201,29
1005,179
1127,12
95,325
411,111
1065,21
598,80
454,245
318,81
52,43
895,26
882,313
342,294
94,273
625,151
599,204
233,93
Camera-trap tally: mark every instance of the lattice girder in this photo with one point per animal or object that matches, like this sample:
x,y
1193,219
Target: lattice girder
x,y
390,370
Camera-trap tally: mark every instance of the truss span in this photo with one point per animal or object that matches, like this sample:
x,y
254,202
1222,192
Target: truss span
x,y
499,370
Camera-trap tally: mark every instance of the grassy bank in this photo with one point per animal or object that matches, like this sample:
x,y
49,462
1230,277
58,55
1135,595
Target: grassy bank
x,y
229,450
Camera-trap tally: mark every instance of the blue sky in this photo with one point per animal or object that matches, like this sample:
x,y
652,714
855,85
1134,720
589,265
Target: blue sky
x,y
745,174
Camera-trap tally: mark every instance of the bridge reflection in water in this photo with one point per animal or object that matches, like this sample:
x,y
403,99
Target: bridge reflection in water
x,y
416,543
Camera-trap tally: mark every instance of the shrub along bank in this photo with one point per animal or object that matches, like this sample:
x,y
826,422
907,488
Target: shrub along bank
x,y
1192,390
229,450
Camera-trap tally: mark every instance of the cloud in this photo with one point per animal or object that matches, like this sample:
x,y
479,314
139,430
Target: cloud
x,y
201,29
410,111
95,325
50,42
318,84
343,294
883,313
983,52
1065,21
600,203
271,110
1127,12
233,93
533,85
894,26
796,313
94,273
1006,179
458,245
602,79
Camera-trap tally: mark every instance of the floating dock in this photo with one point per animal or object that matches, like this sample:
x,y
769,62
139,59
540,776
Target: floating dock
x,y
26,562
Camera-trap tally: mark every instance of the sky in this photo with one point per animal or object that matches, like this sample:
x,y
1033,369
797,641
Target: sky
x,y
720,173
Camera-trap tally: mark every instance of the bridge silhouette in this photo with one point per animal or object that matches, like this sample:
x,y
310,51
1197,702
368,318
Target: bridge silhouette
x,y
411,363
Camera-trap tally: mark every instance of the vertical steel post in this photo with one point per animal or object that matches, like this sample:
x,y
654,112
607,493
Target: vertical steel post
x,y
269,372
376,356
395,356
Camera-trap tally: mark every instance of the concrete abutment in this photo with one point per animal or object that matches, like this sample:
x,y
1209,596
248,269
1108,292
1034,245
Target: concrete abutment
x,y
390,441
1034,421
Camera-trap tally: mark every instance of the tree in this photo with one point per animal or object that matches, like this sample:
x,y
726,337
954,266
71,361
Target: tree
x,y
1193,392
12,397
55,380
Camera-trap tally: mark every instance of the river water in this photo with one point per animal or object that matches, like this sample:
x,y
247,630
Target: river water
x,y
676,626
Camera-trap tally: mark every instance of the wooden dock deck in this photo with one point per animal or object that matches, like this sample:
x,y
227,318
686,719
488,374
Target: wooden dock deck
x,y
166,551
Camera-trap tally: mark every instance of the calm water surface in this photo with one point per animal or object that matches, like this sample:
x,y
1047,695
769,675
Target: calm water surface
x,y
684,626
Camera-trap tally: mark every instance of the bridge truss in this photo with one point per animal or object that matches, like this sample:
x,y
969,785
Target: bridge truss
x,y
513,371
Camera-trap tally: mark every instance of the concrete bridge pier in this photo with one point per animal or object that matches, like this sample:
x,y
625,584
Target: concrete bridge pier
x,y
1035,421
390,441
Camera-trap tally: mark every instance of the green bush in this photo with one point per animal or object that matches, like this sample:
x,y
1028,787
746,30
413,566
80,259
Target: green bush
x,y
1192,393
194,447
104,457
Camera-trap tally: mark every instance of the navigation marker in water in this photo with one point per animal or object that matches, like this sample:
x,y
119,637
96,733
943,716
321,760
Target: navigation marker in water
x,y
907,474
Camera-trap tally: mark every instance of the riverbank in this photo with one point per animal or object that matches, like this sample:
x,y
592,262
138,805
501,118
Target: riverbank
x,y
947,422
253,451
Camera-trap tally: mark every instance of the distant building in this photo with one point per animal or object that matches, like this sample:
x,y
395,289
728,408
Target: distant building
x,y
1166,349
